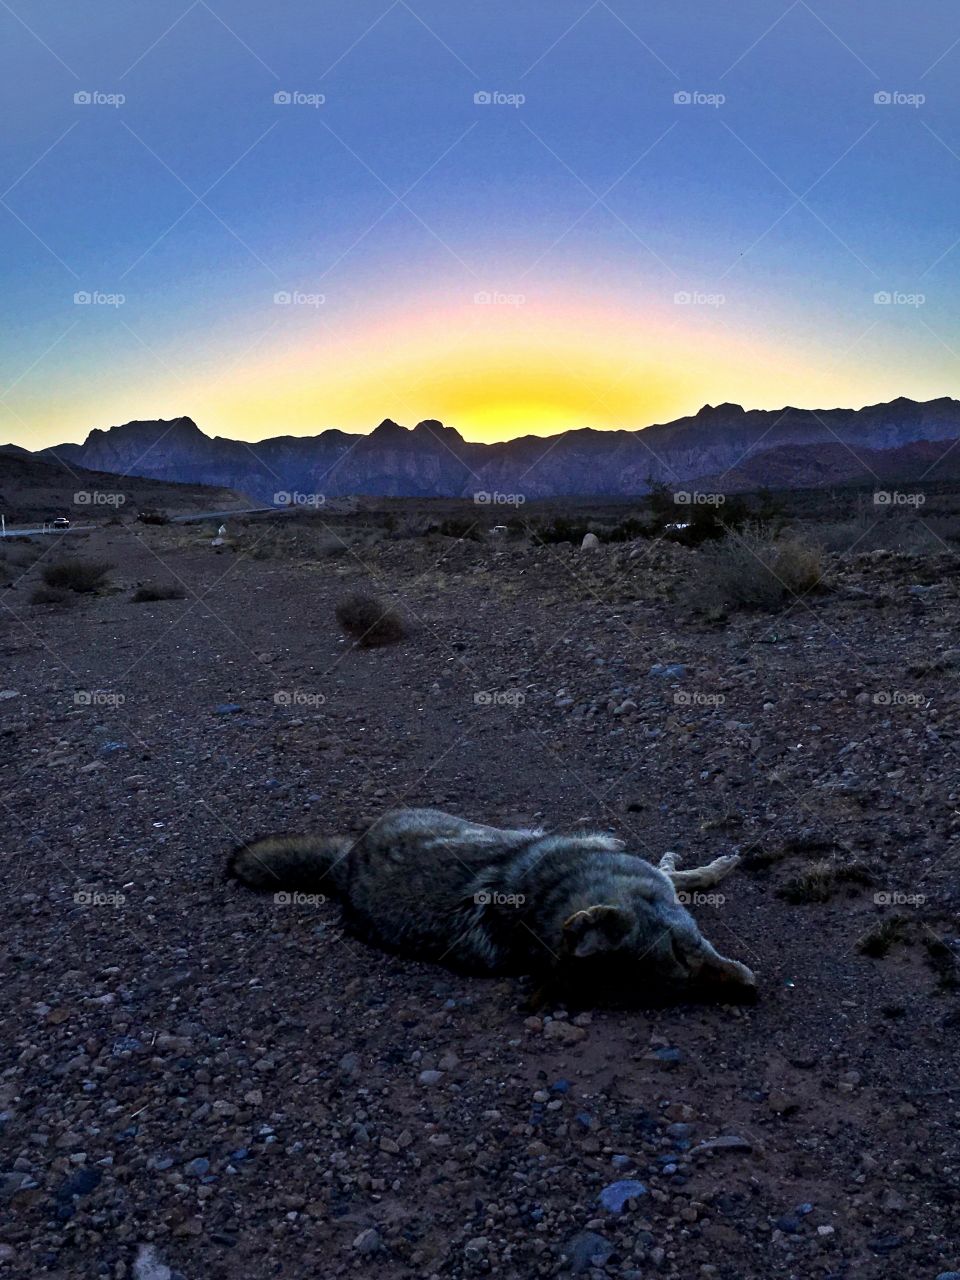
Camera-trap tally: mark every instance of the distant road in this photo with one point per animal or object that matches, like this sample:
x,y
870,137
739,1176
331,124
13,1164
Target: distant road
x,y
39,530
222,515
30,533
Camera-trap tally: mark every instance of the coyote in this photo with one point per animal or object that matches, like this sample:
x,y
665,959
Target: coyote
x,y
575,910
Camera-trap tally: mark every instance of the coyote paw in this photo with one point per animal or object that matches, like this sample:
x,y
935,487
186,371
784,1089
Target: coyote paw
x,y
722,866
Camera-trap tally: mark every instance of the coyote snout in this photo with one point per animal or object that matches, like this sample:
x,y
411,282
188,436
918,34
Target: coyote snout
x,y
577,910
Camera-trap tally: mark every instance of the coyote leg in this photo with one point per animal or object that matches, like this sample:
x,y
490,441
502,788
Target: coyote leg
x,y
668,862
700,877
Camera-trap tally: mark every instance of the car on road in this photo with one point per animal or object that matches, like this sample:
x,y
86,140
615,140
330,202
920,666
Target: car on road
x,y
61,522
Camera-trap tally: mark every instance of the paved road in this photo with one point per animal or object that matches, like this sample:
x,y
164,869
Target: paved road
x,y
38,530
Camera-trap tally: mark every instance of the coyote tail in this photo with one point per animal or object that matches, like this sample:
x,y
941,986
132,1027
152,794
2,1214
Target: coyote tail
x,y
311,863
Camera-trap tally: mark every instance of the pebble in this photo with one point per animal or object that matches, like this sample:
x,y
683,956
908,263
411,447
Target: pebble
x,y
616,1195
367,1241
586,1250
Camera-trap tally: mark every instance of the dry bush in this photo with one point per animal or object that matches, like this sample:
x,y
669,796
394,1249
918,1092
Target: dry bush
x,y
752,570
369,621
49,595
76,575
147,594
819,880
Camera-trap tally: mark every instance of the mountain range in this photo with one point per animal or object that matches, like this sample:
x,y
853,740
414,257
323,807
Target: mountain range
x,y
723,447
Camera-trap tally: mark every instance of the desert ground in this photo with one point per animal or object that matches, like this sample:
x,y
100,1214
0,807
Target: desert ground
x,y
204,1083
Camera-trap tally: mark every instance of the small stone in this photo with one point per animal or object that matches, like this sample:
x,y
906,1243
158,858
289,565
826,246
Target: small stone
x,y
367,1241
198,1168
430,1077
729,1142
587,1250
590,542
228,709
616,1195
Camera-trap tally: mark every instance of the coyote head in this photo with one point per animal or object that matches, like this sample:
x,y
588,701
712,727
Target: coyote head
x,y
647,941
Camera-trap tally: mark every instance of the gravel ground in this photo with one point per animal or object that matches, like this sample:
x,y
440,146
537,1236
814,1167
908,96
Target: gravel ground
x,y
203,1083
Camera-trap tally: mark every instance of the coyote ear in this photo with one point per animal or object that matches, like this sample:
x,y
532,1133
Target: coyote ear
x,y
595,929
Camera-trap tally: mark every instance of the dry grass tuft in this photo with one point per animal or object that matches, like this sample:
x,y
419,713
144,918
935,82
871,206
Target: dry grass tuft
x,y
369,621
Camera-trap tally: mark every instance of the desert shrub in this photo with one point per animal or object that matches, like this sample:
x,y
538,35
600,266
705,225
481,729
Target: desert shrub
x,y
880,937
369,621
76,575
49,595
459,528
147,594
751,570
819,880
560,530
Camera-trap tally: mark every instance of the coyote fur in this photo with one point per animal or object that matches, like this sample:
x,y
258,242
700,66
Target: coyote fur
x,y
428,885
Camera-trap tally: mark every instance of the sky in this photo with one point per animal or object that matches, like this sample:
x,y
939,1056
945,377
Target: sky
x,y
519,217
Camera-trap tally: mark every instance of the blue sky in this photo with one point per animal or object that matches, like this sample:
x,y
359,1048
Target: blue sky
x,y
585,203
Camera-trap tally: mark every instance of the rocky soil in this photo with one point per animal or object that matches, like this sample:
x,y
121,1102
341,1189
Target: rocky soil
x,y
199,1082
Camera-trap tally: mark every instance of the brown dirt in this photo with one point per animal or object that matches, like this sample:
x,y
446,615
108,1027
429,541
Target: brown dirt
x,y
237,1083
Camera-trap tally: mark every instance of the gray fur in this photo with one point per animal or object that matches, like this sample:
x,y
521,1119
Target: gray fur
x,y
433,886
